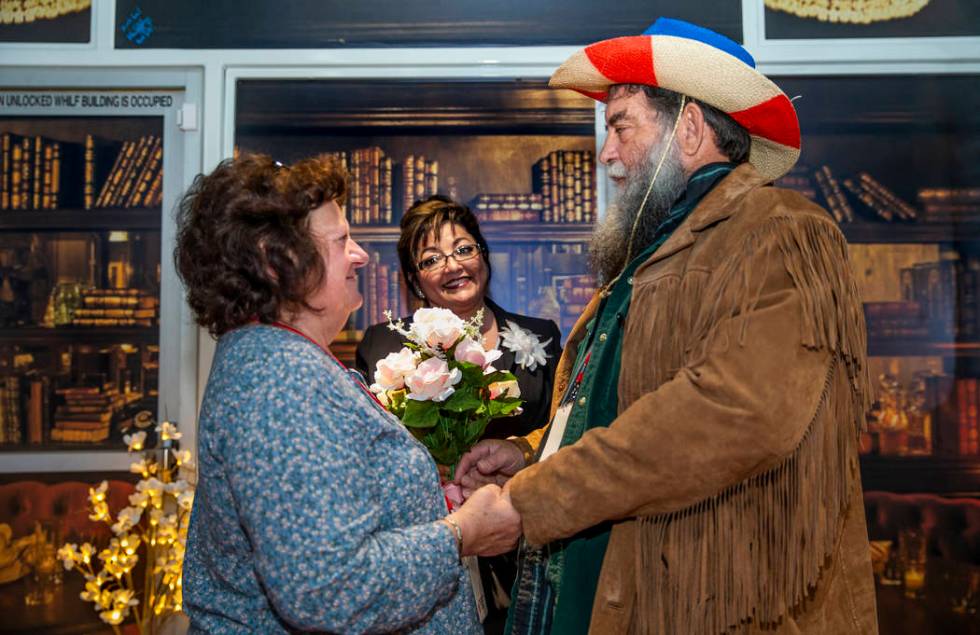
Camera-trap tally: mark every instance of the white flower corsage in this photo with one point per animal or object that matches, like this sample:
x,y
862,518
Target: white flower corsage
x,y
527,346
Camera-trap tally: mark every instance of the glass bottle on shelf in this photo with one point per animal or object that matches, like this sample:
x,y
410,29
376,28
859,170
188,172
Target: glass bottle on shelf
x,y
919,419
893,423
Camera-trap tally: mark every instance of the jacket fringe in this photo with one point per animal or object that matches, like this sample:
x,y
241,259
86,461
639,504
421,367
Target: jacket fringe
x,y
754,553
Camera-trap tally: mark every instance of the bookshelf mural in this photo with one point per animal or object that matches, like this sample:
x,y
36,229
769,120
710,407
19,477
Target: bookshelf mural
x,y
80,209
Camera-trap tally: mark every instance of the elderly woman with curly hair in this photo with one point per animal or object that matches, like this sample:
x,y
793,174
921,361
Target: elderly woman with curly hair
x,y
315,509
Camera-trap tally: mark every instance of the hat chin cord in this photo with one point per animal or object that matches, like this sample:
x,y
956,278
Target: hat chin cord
x,y
606,290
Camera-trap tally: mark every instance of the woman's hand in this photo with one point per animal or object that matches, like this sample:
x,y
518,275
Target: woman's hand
x,y
489,522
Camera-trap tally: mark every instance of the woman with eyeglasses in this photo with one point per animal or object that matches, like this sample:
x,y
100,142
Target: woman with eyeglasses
x,y
446,263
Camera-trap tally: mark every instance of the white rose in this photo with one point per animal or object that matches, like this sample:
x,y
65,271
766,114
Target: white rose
x,y
390,372
473,352
437,327
508,388
432,380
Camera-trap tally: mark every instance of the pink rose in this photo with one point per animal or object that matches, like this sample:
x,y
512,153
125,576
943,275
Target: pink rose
x,y
504,388
390,372
432,380
437,327
473,352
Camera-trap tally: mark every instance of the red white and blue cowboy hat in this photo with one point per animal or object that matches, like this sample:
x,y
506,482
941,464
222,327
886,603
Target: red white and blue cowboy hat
x,y
699,63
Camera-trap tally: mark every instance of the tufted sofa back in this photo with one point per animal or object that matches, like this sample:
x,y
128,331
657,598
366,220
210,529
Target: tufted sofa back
x,y
24,502
951,525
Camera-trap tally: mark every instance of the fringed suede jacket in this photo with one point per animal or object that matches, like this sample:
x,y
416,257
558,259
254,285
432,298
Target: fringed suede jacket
x,y
731,470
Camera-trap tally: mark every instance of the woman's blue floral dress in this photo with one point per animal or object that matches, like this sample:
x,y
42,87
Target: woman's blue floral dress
x,y
315,509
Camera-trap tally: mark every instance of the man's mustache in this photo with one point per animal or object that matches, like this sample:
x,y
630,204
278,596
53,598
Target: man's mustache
x,y
616,170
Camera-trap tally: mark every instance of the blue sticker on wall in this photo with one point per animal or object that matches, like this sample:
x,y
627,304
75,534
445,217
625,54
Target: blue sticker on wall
x,y
137,27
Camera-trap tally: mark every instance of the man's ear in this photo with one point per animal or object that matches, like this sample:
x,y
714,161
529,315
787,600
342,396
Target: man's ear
x,y
692,131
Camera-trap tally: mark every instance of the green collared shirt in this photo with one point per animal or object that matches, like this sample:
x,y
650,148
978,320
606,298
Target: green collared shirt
x,y
574,564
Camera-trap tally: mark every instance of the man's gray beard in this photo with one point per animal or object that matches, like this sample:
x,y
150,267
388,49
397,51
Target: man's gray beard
x,y
607,248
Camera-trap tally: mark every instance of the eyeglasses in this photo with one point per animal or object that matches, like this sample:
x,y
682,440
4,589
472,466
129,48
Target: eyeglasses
x,y
462,253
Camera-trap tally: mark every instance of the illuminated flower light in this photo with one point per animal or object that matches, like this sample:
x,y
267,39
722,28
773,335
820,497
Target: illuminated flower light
x,y
134,442
168,431
126,519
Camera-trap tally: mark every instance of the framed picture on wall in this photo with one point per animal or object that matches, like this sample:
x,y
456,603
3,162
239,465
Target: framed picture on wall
x,y
924,35
809,19
34,21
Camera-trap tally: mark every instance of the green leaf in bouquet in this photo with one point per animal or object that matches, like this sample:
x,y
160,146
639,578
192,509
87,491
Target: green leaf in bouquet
x,y
474,430
472,374
504,407
463,400
441,442
420,414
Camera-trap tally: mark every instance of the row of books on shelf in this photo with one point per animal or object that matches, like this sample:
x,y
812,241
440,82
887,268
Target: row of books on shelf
x,y
115,307
380,189
861,195
28,412
940,300
46,174
375,192
87,412
565,179
99,393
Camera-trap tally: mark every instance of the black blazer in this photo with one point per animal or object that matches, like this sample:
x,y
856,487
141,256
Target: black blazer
x,y
536,386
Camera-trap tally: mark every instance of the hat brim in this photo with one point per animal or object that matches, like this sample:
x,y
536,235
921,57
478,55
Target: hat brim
x,y
697,70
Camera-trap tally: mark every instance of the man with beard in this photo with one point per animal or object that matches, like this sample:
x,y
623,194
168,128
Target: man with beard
x,y
699,474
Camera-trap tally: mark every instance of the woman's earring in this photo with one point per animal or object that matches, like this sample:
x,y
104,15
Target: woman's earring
x,y
418,291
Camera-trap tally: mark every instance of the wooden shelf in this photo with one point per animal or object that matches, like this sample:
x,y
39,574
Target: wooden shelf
x,y
79,335
81,219
907,474
887,347
866,232
493,232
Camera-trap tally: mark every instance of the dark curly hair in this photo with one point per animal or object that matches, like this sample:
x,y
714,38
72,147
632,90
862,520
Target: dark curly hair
x,y
244,251
426,217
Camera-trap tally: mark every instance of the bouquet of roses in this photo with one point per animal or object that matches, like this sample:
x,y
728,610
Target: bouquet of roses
x,y
442,384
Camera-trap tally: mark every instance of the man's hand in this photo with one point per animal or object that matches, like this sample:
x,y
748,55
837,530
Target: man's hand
x,y
491,461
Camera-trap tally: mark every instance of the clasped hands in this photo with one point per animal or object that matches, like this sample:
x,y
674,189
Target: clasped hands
x,y
488,520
